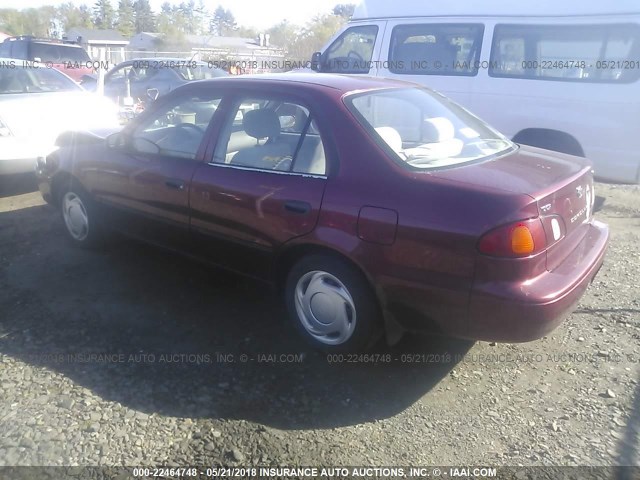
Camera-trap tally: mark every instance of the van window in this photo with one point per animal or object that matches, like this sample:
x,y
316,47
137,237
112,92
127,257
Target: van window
x,y
435,49
577,53
352,51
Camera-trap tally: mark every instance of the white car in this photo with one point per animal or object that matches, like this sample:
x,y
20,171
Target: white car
x,y
36,105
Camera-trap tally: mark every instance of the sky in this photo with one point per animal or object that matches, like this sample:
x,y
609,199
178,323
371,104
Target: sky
x,y
250,13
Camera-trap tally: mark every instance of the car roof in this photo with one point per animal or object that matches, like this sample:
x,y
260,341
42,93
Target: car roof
x,y
370,9
48,41
341,83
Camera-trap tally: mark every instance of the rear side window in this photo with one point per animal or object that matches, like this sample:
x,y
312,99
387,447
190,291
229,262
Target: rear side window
x,y
270,134
436,49
575,53
58,53
352,51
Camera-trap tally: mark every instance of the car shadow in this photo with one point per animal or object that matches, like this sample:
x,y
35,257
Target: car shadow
x,y
629,444
165,335
17,184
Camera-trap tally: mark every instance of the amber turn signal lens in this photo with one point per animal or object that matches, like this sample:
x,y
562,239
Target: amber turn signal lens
x,y
522,240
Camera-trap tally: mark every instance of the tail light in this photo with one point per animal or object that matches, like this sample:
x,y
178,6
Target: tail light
x,y
518,239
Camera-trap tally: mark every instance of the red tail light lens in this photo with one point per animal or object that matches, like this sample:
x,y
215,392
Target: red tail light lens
x,y
519,239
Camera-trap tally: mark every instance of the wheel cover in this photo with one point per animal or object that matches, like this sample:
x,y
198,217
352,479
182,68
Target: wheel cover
x,y
325,307
75,216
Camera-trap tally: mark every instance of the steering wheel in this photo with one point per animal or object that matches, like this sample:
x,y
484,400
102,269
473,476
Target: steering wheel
x,y
355,55
190,125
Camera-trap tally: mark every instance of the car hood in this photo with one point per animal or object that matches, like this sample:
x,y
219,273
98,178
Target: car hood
x,y
41,117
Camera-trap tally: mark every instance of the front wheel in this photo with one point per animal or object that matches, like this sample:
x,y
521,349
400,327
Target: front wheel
x,y
332,305
78,214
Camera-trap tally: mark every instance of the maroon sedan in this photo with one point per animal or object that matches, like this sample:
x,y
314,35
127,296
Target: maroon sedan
x,y
375,206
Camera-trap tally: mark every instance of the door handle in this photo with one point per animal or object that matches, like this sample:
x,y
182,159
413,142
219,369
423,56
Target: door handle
x,y
297,206
175,184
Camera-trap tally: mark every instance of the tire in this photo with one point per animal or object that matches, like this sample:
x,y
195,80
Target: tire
x,y
347,315
550,140
78,212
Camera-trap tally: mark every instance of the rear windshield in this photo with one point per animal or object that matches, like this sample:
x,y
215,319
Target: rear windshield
x,y
34,80
425,130
58,53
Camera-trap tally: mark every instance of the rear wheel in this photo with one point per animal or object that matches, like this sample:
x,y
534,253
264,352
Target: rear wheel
x,y
331,304
78,214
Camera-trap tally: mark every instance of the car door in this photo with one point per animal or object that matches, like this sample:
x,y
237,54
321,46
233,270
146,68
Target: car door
x,y
263,184
146,180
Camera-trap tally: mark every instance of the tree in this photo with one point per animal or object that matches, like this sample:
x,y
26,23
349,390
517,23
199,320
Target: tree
x,y
314,35
69,16
31,21
187,10
344,10
85,16
143,15
126,21
223,22
104,15
284,34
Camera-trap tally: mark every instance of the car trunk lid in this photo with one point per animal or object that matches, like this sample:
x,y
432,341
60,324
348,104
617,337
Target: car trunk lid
x,y
561,186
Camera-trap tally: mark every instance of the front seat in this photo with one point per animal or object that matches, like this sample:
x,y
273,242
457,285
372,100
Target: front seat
x,y
263,124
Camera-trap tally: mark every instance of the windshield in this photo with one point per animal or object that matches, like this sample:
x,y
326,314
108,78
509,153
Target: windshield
x,y
425,130
34,80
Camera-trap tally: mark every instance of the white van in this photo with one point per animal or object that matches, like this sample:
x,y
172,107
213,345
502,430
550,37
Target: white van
x,y
558,74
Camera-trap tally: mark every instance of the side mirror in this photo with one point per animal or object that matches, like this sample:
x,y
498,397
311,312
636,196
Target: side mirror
x,y
116,140
316,60
153,93
287,121
144,146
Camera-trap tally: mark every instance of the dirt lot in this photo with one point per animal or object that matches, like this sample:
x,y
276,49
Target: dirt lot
x,y
123,357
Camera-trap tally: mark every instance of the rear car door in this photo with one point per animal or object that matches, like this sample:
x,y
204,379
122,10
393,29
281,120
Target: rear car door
x,y
147,180
262,185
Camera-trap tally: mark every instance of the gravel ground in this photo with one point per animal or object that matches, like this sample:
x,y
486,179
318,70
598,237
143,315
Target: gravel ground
x,y
130,356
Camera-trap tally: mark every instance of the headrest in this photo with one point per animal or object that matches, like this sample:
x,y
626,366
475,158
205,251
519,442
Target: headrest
x,y
437,129
261,123
391,137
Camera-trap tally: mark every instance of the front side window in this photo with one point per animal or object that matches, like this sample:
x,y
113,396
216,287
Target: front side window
x,y
352,51
271,134
577,53
424,130
177,130
435,49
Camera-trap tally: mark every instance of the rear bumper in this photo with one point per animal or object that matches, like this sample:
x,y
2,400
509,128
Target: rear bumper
x,y
525,311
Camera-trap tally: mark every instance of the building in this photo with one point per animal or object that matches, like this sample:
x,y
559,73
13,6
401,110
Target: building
x,y
93,41
205,47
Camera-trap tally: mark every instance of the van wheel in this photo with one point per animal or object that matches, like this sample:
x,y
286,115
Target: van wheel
x,y
331,305
79,217
550,140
